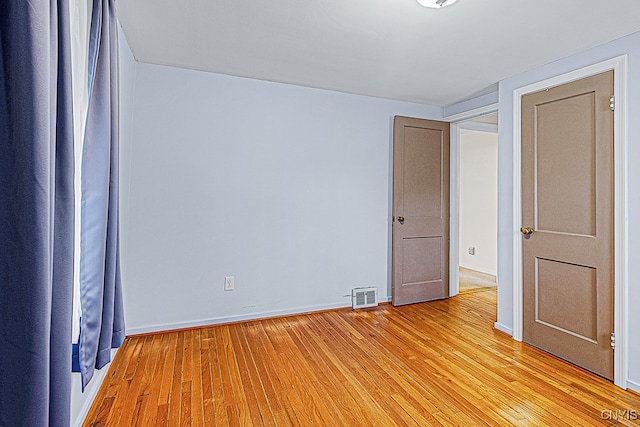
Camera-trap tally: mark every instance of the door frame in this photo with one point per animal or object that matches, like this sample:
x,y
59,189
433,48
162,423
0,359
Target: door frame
x,y
458,124
621,319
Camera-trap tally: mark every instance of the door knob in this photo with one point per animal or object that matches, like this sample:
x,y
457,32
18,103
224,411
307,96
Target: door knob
x,y
526,230
401,219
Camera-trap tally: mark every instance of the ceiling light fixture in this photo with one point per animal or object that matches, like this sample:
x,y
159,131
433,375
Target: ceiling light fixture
x,y
436,4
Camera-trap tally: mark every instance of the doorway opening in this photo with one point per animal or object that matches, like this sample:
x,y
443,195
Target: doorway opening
x,y
478,204
474,193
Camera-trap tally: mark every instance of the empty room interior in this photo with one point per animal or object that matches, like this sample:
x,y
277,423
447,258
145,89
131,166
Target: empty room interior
x,y
407,212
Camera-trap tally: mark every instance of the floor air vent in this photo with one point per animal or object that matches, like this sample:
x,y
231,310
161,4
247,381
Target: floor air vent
x,y
364,297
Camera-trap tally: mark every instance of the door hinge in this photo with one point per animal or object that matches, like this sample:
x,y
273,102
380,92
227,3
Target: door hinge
x,y
612,103
613,340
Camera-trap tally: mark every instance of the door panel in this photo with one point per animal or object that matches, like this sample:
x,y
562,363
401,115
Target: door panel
x,y
567,190
572,307
422,185
416,249
561,146
420,196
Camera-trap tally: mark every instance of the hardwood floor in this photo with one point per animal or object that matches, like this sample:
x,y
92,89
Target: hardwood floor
x,y
472,281
436,363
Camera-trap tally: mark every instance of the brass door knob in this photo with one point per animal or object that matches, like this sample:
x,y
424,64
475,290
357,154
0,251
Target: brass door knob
x,y
401,219
526,230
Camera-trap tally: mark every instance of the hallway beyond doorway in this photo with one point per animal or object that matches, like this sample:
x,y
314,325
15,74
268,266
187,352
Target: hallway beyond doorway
x,y
473,281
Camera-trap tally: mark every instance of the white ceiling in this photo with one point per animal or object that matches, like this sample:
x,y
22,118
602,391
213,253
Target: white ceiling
x,y
392,49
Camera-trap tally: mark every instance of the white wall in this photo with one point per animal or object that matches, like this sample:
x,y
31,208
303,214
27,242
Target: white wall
x,y
286,188
628,45
478,200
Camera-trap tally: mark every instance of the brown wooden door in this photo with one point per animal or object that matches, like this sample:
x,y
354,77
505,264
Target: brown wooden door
x,y
567,199
421,210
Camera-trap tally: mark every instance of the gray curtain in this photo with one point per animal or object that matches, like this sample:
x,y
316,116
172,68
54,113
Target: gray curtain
x,y
102,325
36,213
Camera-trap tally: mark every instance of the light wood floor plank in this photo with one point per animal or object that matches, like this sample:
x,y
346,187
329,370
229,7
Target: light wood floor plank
x,y
432,364
253,334
219,402
253,391
320,355
208,411
174,404
375,376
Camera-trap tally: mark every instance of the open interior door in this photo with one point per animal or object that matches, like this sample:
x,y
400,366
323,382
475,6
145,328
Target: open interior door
x,y
420,259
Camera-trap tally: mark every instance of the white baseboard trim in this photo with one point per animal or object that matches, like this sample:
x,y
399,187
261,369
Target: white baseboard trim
x,y
633,385
92,391
479,269
238,318
505,329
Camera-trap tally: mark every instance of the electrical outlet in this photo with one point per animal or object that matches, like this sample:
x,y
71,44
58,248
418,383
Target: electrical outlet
x,y
472,250
229,283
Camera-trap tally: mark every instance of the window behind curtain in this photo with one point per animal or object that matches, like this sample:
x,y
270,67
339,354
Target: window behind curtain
x,y
80,13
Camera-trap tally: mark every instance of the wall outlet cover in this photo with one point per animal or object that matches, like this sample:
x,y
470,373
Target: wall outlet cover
x,y
229,283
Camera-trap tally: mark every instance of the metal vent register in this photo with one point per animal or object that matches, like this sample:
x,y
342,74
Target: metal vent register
x,y
364,297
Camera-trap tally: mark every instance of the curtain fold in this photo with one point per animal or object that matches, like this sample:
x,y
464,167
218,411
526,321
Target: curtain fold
x,y
36,213
102,324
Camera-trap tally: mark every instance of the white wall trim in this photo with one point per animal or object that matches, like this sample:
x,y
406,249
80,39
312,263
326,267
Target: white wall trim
x,y
458,126
454,209
633,385
478,269
503,328
479,127
619,66
471,114
239,318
